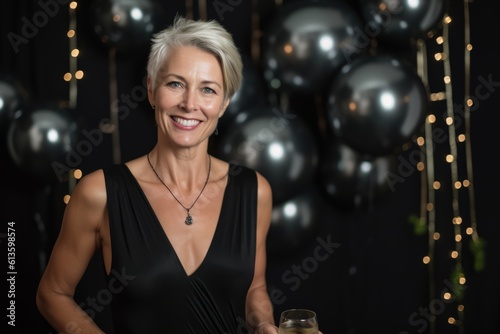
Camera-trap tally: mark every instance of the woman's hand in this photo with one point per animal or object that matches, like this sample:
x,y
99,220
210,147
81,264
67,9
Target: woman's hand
x,y
266,328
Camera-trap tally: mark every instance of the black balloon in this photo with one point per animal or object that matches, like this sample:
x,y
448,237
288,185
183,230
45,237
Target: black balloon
x,y
355,180
308,41
399,21
278,145
249,95
295,223
41,137
12,99
127,25
376,104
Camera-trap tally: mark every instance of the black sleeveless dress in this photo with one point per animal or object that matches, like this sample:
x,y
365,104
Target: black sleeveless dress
x,y
150,290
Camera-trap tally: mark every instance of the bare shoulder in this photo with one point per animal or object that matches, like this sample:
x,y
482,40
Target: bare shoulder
x,y
264,188
264,203
90,190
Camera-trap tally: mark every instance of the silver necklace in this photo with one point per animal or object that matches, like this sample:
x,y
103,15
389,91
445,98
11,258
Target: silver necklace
x,y
189,218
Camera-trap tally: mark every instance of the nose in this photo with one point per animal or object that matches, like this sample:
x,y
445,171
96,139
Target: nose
x,y
189,101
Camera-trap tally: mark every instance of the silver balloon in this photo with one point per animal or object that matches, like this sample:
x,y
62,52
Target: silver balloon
x,y
127,25
376,104
11,100
42,136
399,21
280,146
295,222
354,180
308,41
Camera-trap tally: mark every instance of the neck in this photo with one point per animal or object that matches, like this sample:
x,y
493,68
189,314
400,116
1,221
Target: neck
x,y
185,171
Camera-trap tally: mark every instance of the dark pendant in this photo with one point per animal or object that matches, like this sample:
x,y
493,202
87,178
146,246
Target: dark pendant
x,y
189,219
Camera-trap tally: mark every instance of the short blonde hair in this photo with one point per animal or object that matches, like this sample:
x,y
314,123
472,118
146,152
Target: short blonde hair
x,y
209,36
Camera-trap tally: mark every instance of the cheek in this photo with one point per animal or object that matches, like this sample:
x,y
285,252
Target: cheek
x,y
214,107
221,112
168,97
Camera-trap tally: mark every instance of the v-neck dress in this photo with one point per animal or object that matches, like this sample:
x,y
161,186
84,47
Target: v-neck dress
x,y
149,289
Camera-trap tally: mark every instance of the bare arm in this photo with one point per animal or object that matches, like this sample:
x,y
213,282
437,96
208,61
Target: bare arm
x,y
77,241
259,310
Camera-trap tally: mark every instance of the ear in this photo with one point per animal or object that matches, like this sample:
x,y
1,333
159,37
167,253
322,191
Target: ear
x,y
151,95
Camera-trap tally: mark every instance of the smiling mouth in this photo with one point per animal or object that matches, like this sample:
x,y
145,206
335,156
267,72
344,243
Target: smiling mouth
x,y
185,122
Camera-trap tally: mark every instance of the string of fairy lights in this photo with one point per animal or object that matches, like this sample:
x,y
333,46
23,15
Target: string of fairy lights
x,y
72,76
430,184
452,159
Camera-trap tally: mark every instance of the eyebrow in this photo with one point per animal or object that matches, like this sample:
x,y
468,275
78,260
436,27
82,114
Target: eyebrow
x,y
180,77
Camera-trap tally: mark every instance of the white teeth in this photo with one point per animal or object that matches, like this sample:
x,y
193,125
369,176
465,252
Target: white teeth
x,y
186,122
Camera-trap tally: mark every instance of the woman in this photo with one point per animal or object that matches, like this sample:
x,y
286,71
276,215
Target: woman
x,y
182,233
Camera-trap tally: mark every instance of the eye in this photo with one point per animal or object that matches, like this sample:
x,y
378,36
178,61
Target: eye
x,y
208,90
174,84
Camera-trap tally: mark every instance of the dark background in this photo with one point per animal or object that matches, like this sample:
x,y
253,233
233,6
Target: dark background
x,y
374,280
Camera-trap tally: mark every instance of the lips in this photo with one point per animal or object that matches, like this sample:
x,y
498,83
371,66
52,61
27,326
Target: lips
x,y
186,122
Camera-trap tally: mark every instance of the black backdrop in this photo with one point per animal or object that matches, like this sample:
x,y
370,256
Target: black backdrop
x,y
372,282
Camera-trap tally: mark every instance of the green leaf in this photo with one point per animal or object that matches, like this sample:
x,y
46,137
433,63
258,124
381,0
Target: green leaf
x,y
478,249
458,288
419,225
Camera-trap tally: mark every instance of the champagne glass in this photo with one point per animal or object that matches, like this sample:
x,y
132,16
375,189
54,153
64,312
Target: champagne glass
x,y
298,321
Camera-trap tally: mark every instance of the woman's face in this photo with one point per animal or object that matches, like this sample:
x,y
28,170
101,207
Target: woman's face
x,y
189,96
